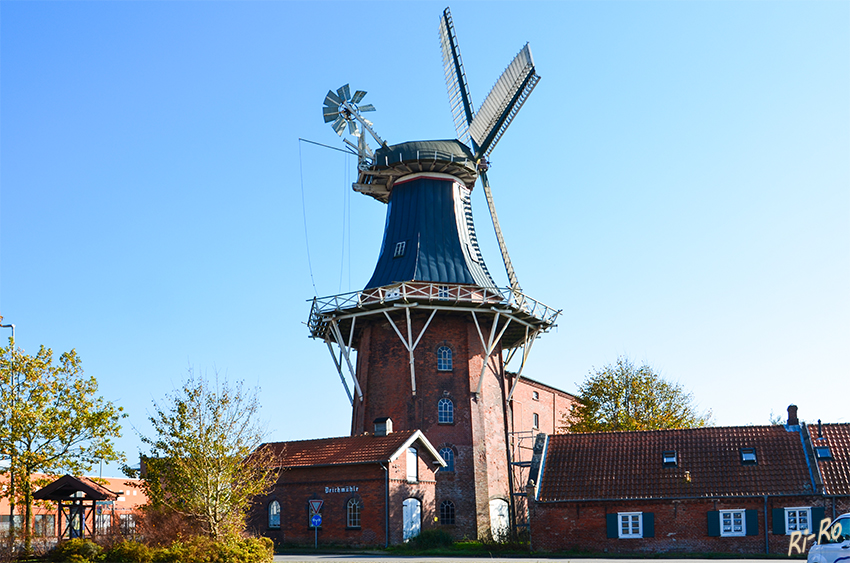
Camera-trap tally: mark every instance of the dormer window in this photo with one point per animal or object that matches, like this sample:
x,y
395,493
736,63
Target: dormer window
x,y
669,458
399,249
748,456
822,452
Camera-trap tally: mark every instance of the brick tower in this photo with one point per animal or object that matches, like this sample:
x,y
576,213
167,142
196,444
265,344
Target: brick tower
x,y
431,330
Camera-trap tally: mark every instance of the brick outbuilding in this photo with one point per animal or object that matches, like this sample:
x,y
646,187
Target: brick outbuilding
x,y
706,490
375,489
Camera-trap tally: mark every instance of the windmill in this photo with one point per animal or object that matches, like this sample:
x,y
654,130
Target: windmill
x,y
431,325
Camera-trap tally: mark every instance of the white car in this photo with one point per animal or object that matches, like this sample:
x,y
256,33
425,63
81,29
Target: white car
x,y
833,550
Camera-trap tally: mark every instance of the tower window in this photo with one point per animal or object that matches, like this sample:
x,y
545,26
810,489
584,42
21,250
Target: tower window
x,y
447,513
448,456
444,359
823,452
443,292
352,519
399,249
445,411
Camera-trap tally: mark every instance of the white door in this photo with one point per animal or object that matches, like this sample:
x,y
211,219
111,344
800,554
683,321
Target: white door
x,y
499,519
410,514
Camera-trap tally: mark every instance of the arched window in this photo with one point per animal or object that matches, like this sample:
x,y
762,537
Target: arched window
x,y
274,514
448,455
447,513
352,519
445,412
444,358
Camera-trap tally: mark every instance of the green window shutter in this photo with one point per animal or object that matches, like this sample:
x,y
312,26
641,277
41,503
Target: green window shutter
x,y
611,521
817,516
778,521
648,524
752,517
713,523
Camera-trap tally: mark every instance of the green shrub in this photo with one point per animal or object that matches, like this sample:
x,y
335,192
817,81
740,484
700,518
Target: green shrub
x,y
205,550
431,539
77,551
128,551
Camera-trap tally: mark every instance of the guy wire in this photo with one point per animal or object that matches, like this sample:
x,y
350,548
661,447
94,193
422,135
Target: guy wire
x,y
304,213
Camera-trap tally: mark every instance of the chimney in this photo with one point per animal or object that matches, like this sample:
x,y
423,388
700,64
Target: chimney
x,y
820,431
383,426
792,416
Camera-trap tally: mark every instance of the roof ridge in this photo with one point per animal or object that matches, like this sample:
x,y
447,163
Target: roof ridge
x,y
364,434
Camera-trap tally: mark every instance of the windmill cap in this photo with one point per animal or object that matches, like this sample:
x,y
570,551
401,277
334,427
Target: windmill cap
x,y
413,157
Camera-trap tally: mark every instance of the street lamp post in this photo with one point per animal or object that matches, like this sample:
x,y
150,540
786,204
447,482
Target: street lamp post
x,y
12,453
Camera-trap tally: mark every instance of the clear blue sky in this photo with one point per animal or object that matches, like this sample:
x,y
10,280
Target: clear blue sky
x,y
678,183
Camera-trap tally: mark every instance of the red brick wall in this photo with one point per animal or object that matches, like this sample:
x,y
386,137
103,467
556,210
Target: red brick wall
x,y
477,435
296,487
680,526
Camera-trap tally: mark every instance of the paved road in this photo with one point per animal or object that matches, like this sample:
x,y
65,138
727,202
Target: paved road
x,y
412,559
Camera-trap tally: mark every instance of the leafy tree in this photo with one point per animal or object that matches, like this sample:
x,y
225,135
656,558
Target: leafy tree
x,y
203,463
625,397
51,421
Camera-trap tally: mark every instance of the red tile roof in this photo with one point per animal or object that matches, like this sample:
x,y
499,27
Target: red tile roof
x,y
363,448
628,465
835,472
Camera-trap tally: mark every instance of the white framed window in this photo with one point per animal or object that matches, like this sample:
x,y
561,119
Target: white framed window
x,y
399,249
447,513
352,510
448,456
444,358
443,292
630,524
798,519
535,420
412,465
274,514
445,411
535,395
733,523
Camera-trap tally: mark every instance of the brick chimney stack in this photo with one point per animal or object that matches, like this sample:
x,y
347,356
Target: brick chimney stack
x,y
792,416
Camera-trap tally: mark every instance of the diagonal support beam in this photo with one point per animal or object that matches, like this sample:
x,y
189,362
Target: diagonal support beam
x,y
490,344
526,350
409,343
345,349
338,365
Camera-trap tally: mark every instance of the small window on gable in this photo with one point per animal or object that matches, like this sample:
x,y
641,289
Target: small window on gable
x,y
748,456
412,465
399,249
822,452
444,359
669,458
535,421
535,395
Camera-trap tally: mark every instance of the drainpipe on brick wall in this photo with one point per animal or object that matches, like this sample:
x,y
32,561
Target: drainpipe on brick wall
x,y
513,516
386,505
766,543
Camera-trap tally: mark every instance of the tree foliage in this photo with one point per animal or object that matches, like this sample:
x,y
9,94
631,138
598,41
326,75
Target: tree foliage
x,y
201,464
625,397
51,421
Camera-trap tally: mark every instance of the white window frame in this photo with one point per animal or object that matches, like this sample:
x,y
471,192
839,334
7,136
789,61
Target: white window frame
x,y
628,518
535,395
535,420
732,533
412,465
272,512
795,512
399,249
444,358
443,292
448,456
352,513
445,411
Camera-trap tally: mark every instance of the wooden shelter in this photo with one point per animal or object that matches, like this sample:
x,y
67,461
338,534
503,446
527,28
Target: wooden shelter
x,y
76,499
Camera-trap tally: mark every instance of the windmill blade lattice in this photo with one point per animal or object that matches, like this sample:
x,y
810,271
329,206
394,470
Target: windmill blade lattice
x,y
341,109
459,99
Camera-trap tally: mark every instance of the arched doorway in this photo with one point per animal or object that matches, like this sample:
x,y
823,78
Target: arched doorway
x,y
411,515
500,525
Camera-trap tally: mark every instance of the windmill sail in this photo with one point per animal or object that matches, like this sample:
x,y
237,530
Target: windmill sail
x,y
459,99
503,102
